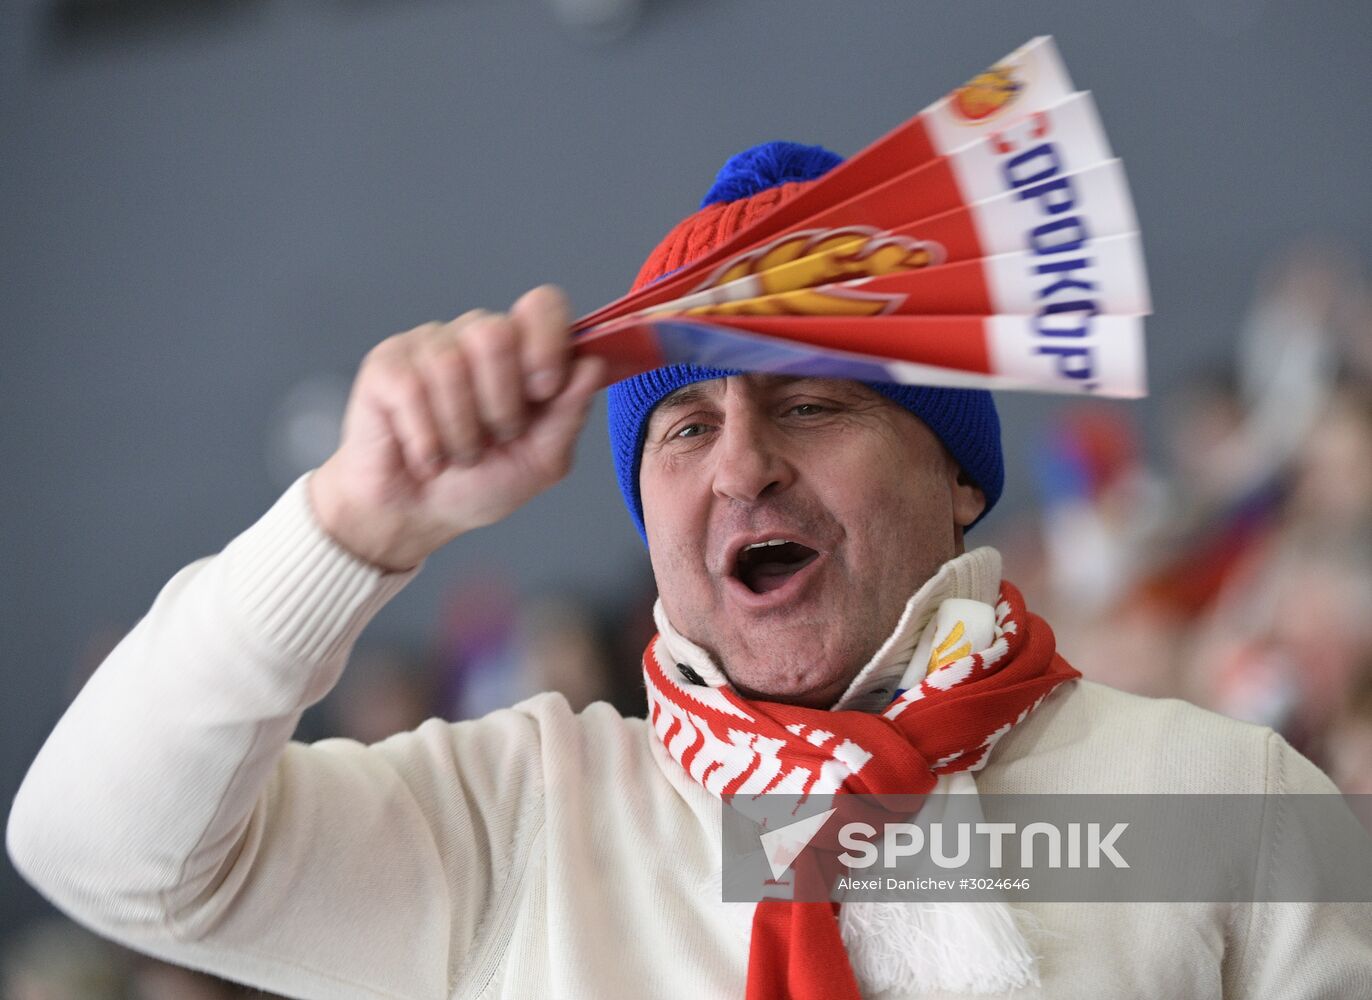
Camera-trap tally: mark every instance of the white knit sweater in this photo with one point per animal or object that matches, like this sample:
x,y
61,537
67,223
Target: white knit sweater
x,y
535,852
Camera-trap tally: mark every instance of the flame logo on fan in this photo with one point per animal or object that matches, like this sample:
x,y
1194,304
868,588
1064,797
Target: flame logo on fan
x,y
986,94
813,273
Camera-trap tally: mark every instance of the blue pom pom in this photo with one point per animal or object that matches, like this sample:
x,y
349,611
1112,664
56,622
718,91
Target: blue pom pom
x,y
767,166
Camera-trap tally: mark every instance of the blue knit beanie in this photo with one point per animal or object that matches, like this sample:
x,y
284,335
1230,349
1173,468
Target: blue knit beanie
x,y
750,184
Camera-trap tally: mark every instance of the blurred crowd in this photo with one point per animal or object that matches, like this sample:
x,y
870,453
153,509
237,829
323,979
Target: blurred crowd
x,y
1234,570
56,960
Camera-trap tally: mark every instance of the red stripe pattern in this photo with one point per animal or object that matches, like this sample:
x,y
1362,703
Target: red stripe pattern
x,y
948,722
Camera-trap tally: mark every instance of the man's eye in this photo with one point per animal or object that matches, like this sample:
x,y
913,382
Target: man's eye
x,y
689,431
807,409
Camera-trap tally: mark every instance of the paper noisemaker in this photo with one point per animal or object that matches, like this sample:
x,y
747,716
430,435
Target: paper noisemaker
x,y
988,242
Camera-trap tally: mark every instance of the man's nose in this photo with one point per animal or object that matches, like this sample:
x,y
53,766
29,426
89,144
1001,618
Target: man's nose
x,y
750,461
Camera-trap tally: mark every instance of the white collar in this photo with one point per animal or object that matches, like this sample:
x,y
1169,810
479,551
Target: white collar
x,y
972,576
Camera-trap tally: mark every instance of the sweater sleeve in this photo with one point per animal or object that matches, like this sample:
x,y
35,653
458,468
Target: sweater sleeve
x,y
168,810
1300,951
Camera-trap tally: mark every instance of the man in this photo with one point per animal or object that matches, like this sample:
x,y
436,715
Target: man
x,y
541,853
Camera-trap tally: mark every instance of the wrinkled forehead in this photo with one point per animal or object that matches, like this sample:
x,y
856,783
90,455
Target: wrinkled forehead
x,y
761,385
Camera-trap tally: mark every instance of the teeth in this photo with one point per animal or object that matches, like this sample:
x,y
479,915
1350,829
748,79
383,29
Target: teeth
x,y
763,545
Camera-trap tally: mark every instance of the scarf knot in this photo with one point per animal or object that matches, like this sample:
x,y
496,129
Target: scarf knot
x,y
942,723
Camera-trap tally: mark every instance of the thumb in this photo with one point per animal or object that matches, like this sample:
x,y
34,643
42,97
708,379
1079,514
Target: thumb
x,y
554,431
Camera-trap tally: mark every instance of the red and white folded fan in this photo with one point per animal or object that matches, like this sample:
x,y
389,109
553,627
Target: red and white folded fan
x,y
988,242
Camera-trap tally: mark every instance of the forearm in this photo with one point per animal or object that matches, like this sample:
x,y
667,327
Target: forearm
x,y
139,797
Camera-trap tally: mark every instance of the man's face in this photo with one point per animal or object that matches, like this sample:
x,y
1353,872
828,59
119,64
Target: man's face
x,y
866,500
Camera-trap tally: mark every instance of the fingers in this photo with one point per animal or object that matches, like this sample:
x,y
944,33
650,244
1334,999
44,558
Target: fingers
x,y
400,391
555,432
543,315
492,343
447,375
588,375
517,361
449,391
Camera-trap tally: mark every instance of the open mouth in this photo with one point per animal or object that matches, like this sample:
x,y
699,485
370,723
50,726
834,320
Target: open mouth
x,y
766,566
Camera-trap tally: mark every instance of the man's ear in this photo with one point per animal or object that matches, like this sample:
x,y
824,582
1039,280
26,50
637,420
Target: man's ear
x,y
968,499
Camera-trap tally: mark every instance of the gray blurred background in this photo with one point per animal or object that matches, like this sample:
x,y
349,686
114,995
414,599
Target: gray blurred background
x,y
212,209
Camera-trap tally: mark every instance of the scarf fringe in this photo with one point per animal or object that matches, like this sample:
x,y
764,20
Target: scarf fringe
x,y
977,948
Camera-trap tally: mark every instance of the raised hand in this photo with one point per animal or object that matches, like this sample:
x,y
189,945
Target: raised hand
x,y
452,426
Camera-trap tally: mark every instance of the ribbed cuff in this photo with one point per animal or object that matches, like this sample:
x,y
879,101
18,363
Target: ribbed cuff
x,y
296,589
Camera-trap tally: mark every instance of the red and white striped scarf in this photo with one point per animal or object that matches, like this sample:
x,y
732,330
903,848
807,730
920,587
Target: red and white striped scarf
x,y
946,723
